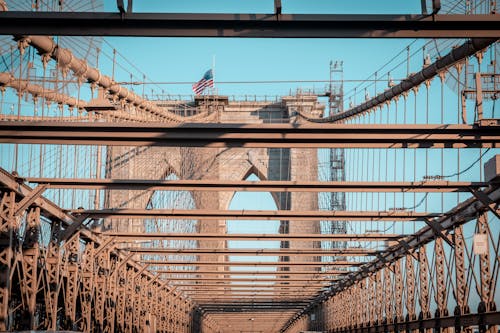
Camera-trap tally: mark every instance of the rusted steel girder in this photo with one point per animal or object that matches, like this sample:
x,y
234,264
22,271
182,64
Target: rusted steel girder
x,y
130,236
412,249
251,263
249,25
260,252
259,186
93,267
253,136
208,214
251,273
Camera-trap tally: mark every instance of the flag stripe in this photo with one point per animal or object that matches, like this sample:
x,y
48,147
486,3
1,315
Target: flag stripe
x,y
206,81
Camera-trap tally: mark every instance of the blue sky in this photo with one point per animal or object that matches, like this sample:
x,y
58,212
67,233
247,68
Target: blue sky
x,y
186,59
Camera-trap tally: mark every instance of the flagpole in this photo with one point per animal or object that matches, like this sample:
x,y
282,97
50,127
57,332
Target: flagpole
x,y
213,73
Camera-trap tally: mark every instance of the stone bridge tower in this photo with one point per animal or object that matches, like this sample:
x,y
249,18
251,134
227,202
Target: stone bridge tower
x,y
223,164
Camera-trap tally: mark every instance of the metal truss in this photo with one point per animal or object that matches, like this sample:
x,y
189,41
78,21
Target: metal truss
x,y
385,294
259,186
86,283
208,214
484,134
249,25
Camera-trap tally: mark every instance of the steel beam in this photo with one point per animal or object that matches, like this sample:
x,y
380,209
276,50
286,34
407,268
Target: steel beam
x,y
259,252
252,135
206,214
252,273
259,186
249,25
254,279
246,287
231,286
130,236
252,264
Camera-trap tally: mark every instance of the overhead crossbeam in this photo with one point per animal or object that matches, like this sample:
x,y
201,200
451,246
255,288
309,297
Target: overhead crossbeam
x,y
207,214
243,279
230,284
300,252
248,25
258,186
252,135
252,263
131,236
250,273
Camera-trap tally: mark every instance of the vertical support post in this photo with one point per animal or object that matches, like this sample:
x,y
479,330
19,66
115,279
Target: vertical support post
x,y
479,96
101,275
71,263
121,294
29,263
398,293
137,302
424,286
7,234
460,277
87,292
440,295
110,304
52,268
486,292
389,296
129,300
410,290
379,287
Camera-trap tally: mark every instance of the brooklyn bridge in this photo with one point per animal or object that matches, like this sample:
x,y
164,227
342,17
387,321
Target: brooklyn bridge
x,y
353,206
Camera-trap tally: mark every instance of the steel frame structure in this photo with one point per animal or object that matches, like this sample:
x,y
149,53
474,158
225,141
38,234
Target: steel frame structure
x,y
87,280
104,289
95,268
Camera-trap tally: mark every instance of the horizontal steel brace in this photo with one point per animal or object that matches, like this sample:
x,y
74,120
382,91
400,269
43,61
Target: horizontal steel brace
x,y
205,214
260,252
266,185
246,287
254,279
252,273
249,25
230,284
251,263
130,236
251,135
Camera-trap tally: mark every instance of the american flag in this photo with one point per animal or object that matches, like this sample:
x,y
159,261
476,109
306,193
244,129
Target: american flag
x,y
206,81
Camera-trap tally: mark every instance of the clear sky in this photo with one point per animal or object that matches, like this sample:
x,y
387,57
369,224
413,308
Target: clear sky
x,y
186,59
